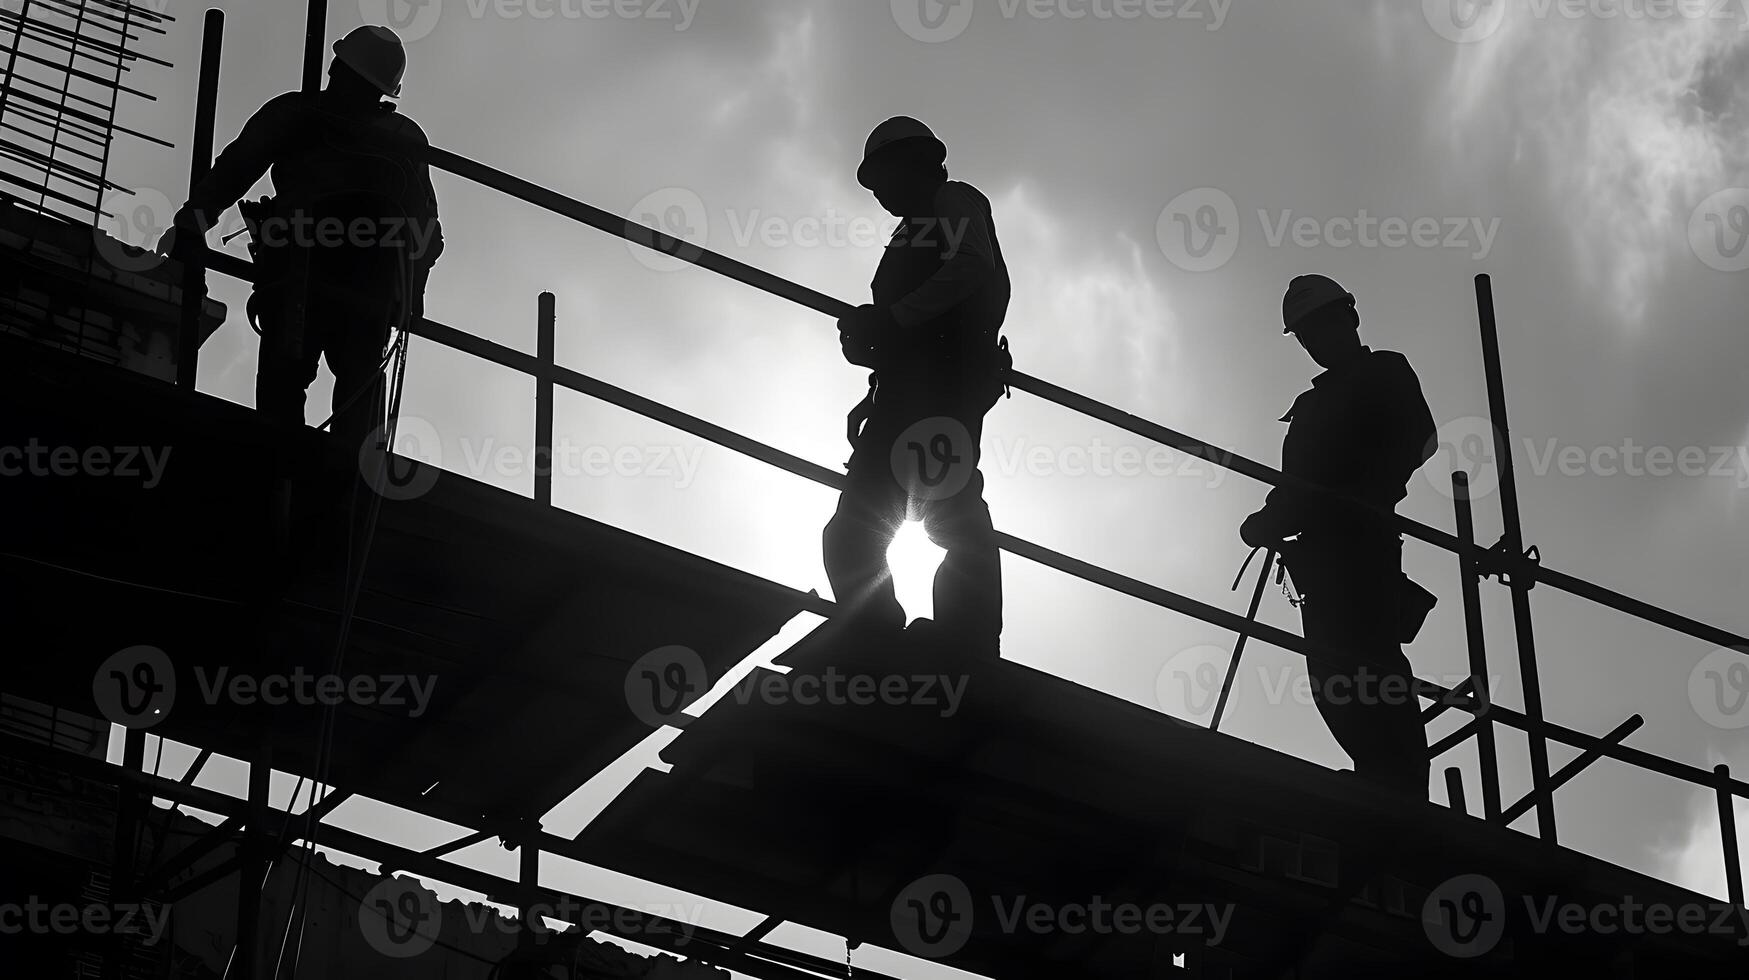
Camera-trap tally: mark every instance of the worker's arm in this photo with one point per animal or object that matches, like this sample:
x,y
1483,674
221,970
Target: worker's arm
x,y
427,228
1408,428
1395,445
1283,514
1284,510
962,228
425,257
241,164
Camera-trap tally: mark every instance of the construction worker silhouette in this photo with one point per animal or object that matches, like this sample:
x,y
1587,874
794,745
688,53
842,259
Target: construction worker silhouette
x,y
345,249
930,337
1357,436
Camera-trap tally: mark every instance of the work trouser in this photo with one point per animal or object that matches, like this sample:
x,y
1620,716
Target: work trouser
x,y
924,433
344,320
1366,696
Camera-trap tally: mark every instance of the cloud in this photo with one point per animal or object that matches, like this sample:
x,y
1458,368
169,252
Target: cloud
x,y
1081,309
1628,125
1696,861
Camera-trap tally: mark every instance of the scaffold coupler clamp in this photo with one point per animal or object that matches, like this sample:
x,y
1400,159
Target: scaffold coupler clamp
x,y
1500,560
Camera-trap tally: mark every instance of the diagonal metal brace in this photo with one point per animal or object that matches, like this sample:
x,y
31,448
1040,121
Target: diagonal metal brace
x,y
186,858
757,933
1571,769
1459,697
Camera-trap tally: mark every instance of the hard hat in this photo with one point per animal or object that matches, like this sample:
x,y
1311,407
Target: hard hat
x,y
1308,294
376,54
899,129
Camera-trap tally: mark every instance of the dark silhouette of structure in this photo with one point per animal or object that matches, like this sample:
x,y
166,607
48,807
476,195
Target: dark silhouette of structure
x,y
345,249
930,337
1356,435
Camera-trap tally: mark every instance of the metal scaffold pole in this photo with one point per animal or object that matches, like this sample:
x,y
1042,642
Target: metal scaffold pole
x,y
315,33
1469,575
200,161
1513,544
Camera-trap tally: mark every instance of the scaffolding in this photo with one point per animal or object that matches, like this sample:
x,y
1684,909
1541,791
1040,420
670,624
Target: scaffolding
x,y
66,65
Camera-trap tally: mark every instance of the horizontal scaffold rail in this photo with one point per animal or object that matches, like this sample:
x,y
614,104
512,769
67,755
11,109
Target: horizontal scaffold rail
x,y
638,234
618,226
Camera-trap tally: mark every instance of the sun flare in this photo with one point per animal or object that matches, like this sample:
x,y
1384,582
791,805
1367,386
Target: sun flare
x,y
913,559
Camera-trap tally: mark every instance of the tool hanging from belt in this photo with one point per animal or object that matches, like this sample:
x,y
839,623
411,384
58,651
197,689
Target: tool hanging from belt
x,y
1245,634
280,269
1001,367
1279,557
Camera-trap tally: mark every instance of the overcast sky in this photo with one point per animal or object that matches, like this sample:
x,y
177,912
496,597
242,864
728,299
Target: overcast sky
x,y
1151,175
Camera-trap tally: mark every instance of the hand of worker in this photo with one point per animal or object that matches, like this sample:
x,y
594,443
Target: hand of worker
x,y
858,354
1260,530
860,332
866,325
185,222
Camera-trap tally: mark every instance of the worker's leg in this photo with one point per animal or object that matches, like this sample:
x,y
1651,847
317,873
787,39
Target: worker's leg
x,y
1370,708
968,584
287,362
870,511
357,331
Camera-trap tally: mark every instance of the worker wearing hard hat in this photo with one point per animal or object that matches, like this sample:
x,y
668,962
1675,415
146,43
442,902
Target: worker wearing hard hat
x,y
930,337
345,248
1356,436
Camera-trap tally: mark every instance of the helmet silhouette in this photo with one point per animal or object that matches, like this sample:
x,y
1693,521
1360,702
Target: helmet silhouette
x,y
376,54
893,132
1308,294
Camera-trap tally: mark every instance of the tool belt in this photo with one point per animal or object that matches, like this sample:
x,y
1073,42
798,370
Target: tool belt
x,y
985,381
284,274
277,264
1310,564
